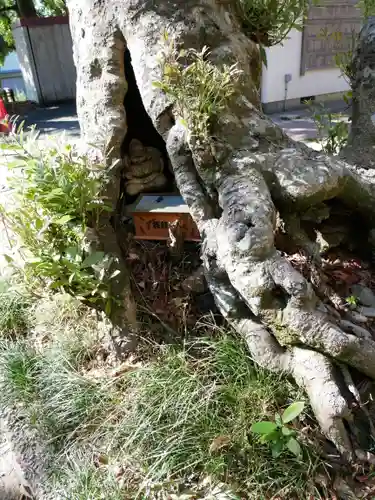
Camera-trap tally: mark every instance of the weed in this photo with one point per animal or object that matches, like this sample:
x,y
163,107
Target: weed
x,y
73,406
201,90
42,372
19,369
278,433
78,479
333,132
54,194
192,413
76,332
352,301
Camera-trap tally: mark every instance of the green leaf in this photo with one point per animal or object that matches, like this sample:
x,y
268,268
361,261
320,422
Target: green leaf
x,y
72,253
53,193
294,446
264,427
159,85
272,436
108,307
8,258
292,411
10,147
278,419
288,432
92,259
63,220
114,274
277,448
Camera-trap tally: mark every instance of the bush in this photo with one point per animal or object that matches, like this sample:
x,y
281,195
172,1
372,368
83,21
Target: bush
x,y
55,192
268,22
333,130
200,90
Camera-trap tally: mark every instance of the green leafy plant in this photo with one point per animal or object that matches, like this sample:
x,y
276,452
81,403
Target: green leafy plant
x,y
333,131
54,193
278,434
199,89
268,22
352,301
367,7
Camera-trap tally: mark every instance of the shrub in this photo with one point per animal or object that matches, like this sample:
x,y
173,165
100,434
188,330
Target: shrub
x,y
333,131
200,90
268,22
54,194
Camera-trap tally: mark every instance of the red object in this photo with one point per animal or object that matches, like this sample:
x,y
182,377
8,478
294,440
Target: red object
x,y
4,124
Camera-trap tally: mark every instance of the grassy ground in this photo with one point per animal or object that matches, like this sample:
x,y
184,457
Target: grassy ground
x,y
174,420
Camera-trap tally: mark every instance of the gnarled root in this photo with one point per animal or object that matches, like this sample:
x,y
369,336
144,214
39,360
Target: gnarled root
x,y
258,290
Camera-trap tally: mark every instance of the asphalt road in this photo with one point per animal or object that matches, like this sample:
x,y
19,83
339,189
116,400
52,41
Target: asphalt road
x,y
55,120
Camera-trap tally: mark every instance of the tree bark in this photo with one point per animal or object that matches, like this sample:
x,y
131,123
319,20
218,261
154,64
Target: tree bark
x,y
237,185
360,147
26,8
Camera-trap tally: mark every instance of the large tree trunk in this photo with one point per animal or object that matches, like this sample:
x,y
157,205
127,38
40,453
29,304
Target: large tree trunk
x,y
360,148
241,187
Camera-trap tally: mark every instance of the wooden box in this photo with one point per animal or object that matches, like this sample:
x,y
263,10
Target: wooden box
x,y
153,213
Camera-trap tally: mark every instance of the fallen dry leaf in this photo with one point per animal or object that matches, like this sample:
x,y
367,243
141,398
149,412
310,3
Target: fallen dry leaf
x,y
100,460
218,443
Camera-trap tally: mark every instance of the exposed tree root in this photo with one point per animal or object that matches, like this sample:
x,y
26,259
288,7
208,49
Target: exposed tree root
x,y
294,336
236,184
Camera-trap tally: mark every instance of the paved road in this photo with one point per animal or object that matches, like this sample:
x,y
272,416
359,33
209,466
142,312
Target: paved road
x,y
300,126
55,120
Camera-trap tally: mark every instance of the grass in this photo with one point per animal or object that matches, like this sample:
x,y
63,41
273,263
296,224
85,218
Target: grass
x,y
86,482
14,312
177,422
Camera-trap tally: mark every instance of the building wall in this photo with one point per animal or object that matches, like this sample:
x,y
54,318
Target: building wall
x,y
10,74
286,60
44,47
11,63
26,64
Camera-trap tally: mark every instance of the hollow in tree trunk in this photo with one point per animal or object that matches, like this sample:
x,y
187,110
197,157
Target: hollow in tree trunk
x,y
266,207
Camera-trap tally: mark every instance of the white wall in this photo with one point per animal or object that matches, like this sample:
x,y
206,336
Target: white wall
x,y
10,74
286,59
26,64
53,56
44,48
